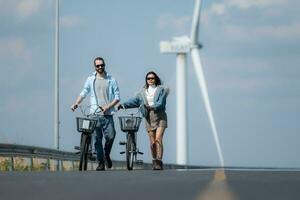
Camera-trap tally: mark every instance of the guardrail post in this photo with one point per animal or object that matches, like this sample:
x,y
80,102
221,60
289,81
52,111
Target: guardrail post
x,y
31,164
12,163
48,164
57,165
73,165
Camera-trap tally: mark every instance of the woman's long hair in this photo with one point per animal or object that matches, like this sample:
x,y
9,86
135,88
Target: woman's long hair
x,y
157,79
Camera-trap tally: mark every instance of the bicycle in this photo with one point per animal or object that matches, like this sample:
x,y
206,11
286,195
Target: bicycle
x,y
130,124
86,125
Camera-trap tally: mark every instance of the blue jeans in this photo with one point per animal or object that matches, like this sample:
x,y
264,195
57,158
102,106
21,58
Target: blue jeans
x,y
105,127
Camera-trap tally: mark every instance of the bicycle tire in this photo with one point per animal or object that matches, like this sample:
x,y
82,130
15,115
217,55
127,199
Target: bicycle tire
x,y
84,147
130,148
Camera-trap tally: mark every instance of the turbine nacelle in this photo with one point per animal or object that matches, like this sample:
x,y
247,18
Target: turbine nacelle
x,y
182,44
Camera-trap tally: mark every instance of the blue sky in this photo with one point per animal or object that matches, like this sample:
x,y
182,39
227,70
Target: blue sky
x,y
250,60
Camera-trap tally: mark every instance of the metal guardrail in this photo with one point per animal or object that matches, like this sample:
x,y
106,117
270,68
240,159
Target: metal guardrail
x,y
23,150
15,157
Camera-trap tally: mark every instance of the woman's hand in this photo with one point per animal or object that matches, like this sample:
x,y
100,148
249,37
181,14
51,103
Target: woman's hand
x,y
148,107
120,106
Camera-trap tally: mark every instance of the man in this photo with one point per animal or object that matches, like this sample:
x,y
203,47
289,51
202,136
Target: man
x,y
104,92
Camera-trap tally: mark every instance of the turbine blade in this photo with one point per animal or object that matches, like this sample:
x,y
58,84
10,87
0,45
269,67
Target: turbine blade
x,y
195,23
201,80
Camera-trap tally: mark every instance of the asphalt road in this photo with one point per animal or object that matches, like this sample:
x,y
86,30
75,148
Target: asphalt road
x,y
151,185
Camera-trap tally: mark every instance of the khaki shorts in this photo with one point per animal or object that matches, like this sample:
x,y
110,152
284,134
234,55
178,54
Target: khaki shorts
x,y
156,119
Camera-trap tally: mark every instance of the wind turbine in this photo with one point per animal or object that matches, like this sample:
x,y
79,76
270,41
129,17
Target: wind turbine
x,y
181,46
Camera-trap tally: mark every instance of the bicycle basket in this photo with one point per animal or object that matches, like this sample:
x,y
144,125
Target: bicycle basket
x,y
86,125
130,123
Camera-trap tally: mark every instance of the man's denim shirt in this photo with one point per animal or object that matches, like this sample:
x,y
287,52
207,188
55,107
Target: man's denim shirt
x,y
89,88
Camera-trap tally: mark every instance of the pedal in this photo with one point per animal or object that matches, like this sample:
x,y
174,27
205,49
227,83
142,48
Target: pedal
x,y
141,153
139,162
77,148
93,158
122,143
122,152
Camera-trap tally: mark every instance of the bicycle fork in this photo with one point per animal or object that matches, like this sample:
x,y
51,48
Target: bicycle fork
x,y
135,149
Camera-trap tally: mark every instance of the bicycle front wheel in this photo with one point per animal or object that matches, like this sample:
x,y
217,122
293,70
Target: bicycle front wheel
x,y
84,148
130,148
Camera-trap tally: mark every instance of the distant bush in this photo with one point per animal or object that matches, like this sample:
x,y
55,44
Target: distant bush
x,y
5,164
21,164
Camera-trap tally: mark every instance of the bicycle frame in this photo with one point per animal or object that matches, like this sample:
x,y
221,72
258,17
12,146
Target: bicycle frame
x,y
86,126
130,125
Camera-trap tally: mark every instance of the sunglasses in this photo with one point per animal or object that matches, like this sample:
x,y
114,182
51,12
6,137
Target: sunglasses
x,y
150,78
102,65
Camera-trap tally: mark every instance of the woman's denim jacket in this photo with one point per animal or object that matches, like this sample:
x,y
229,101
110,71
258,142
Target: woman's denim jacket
x,y
140,100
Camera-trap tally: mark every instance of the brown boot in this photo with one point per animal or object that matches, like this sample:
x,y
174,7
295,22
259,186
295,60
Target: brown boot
x,y
154,164
159,165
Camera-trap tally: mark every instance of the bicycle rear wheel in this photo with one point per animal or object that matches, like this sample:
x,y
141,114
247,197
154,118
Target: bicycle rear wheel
x,y
84,148
130,148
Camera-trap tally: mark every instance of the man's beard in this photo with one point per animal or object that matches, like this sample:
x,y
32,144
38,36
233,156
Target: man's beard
x,y
100,71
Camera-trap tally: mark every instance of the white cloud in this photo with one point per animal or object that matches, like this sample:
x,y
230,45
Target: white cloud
x,y
26,8
273,13
70,21
16,58
244,4
15,48
205,17
240,74
223,8
22,9
163,21
265,28
179,24
268,31
218,8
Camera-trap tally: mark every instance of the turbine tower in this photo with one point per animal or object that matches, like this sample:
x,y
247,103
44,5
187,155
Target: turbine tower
x,y
181,46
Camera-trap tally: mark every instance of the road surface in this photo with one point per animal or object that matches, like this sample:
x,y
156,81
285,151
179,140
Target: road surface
x,y
203,184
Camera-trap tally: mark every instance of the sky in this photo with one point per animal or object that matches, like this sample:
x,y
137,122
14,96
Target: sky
x,y
250,59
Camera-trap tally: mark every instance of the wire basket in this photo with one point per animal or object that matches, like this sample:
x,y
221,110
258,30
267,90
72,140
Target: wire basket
x,y
130,123
86,125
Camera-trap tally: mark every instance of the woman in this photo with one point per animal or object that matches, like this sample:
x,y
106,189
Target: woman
x,y
152,102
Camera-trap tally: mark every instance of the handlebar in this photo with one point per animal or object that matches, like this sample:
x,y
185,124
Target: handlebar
x,y
83,110
122,107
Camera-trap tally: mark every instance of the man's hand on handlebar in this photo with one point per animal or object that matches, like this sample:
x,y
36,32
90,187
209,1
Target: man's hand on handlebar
x,y
74,107
101,108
